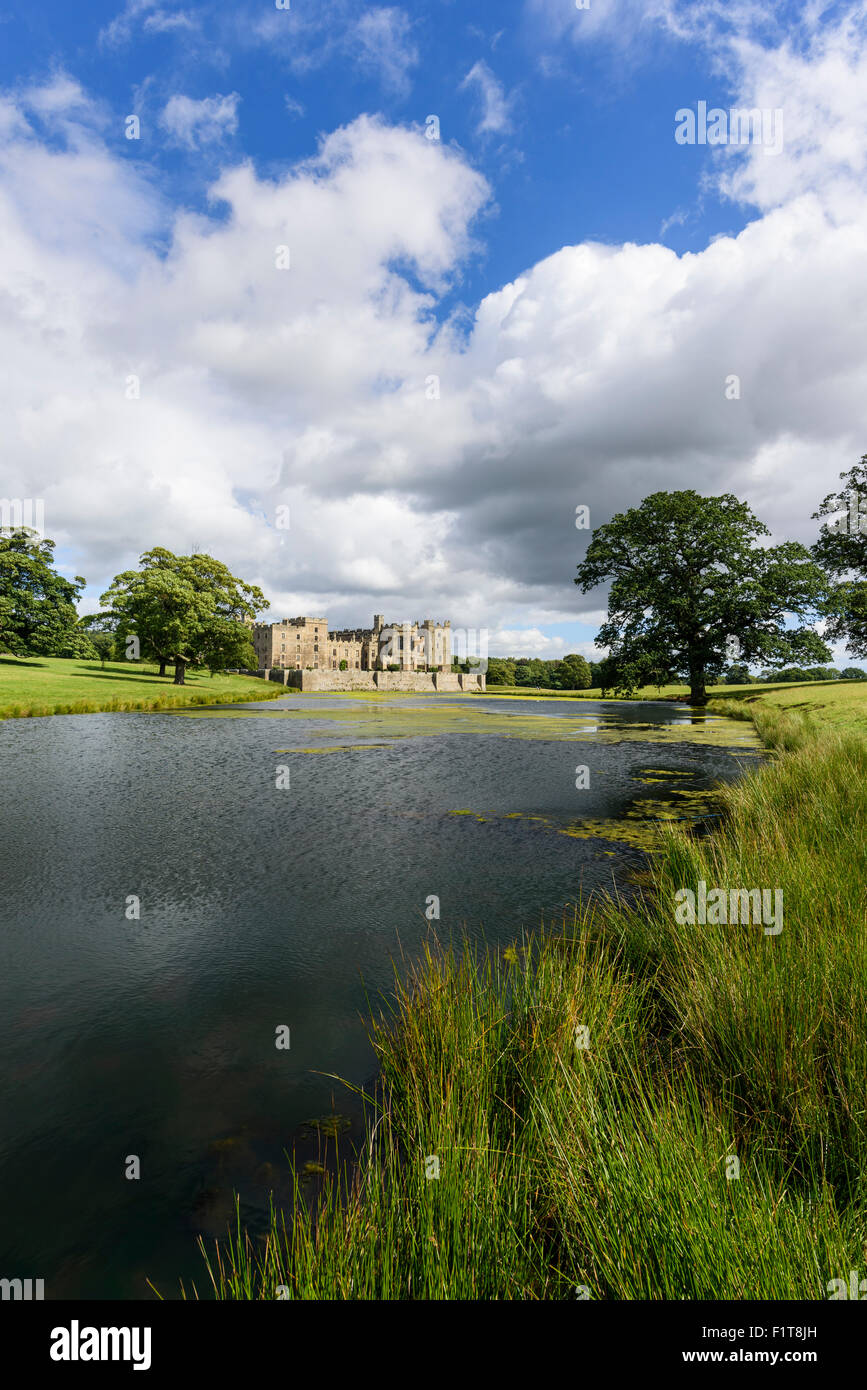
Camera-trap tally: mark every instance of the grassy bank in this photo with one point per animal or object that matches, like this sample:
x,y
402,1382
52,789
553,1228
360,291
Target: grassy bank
x,y
832,705
624,1107
666,692
36,686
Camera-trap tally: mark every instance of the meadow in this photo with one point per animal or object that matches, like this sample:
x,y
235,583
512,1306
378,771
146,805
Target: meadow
x,y
671,692
35,686
832,705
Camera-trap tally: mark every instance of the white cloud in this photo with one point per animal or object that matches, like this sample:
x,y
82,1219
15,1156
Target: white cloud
x,y
378,43
527,641
197,123
165,22
153,19
495,114
121,28
616,22
61,96
596,377
382,37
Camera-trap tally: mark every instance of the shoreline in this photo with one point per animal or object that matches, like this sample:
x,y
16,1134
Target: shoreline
x,y
148,691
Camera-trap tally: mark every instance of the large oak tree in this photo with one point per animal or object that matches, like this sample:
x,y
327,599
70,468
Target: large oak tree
x,y
688,575
184,609
842,550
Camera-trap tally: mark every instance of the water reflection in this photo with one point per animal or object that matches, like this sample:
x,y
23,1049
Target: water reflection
x,y
263,907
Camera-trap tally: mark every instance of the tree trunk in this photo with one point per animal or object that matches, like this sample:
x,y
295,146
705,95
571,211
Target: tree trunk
x,y
697,691
163,665
180,668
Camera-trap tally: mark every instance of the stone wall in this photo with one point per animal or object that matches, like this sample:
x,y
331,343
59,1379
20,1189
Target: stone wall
x,y
411,682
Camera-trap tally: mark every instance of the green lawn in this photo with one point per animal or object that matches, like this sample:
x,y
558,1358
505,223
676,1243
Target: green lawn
x,y
31,686
840,702
644,692
838,705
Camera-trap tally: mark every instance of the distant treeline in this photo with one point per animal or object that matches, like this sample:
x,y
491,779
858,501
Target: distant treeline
x,y
575,673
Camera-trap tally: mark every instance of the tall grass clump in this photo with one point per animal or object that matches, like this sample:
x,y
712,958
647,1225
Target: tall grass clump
x,y
628,1107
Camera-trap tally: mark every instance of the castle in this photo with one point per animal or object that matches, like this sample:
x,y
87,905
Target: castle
x,y
300,644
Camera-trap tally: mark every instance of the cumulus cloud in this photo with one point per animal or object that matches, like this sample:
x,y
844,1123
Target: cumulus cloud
x,y
527,641
429,468
196,123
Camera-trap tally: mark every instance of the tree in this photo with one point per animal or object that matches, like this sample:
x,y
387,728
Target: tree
x,y
842,550
77,644
791,673
846,614
185,610
853,673
101,628
104,645
247,658
501,670
572,673
37,605
7,613
688,574
738,675
842,544
529,671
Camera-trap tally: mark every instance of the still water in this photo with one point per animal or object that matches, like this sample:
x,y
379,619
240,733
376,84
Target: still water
x,y
263,905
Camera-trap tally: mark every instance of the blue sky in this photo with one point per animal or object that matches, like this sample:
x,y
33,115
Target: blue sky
x,y
579,282
582,148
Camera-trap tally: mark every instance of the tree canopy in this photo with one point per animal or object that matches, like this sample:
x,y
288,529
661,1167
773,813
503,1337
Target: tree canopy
x,y
842,550
37,605
184,610
572,672
692,587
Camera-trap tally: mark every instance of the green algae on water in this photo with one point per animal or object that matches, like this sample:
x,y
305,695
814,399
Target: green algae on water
x,y
640,826
382,717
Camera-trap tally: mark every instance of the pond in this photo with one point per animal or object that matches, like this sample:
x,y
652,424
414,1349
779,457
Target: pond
x,y
178,887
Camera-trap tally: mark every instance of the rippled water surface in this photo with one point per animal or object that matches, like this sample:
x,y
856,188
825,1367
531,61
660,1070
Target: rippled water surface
x,y
266,905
